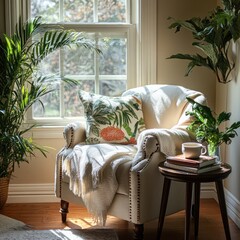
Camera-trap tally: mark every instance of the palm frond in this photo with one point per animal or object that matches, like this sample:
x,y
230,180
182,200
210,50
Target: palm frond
x,y
20,88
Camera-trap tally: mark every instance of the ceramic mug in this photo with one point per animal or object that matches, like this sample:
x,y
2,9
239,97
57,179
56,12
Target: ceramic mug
x,y
193,150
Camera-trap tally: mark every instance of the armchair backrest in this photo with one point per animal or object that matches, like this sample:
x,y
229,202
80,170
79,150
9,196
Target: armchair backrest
x,y
164,106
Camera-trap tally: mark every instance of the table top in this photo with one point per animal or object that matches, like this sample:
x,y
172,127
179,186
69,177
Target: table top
x,y
183,176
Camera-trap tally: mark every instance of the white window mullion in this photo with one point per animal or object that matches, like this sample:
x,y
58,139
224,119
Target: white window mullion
x,y
96,64
128,15
61,10
131,56
95,11
61,64
61,87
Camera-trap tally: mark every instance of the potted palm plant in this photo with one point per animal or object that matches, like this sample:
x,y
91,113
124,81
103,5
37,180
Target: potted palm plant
x,y
206,126
20,56
213,36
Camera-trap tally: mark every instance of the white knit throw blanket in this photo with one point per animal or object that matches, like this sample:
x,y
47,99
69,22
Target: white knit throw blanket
x,y
91,170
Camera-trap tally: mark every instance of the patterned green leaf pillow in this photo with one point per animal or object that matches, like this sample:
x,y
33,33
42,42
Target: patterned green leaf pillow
x,y
112,119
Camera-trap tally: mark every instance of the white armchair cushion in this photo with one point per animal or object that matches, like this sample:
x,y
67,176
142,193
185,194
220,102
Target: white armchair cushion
x,y
112,119
163,105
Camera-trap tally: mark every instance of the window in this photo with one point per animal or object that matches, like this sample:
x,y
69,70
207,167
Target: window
x,y
138,32
107,23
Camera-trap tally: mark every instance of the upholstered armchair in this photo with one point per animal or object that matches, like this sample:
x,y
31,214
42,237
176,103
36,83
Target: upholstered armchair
x,y
117,173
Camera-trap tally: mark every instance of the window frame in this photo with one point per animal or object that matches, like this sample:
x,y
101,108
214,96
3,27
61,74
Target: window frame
x,y
142,32
129,30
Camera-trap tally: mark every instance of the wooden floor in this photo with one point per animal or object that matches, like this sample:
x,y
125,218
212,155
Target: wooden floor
x,y
47,216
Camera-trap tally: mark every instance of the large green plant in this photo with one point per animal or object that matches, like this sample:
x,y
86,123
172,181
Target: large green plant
x,y
212,36
206,126
20,55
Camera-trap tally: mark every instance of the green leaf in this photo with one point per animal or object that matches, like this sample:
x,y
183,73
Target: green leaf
x,y
209,50
213,34
205,125
20,55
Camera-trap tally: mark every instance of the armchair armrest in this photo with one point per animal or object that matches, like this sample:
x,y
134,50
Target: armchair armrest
x,y
166,141
74,133
145,180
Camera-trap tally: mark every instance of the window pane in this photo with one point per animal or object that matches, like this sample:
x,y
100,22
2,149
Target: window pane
x,y
78,61
72,104
78,11
111,10
104,73
51,103
112,88
47,9
113,61
50,65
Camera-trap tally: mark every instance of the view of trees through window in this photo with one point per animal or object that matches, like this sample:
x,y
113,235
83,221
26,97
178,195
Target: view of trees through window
x,y
104,74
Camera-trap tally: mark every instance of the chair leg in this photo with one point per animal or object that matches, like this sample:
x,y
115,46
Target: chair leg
x,y
64,210
138,231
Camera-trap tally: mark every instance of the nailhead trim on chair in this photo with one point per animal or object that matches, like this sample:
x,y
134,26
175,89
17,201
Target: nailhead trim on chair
x,y
130,198
144,144
138,184
72,135
60,178
71,129
138,196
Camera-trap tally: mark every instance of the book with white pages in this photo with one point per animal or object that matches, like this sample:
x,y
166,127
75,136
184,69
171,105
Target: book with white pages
x,y
209,168
202,161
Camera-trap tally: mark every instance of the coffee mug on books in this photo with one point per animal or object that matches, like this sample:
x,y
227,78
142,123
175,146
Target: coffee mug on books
x,y
193,150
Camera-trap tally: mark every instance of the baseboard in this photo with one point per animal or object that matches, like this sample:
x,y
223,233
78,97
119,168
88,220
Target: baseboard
x,y
35,193
31,193
233,207
38,193
208,191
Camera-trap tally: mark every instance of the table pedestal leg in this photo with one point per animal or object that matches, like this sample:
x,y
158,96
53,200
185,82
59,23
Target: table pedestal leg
x,y
196,208
188,209
222,204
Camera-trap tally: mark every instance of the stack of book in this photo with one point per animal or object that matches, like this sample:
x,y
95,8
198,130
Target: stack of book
x,y
201,165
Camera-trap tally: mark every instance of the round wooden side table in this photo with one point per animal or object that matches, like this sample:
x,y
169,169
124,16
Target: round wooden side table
x,y
191,178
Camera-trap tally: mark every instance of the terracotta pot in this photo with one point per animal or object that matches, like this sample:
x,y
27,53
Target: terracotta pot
x,y
4,183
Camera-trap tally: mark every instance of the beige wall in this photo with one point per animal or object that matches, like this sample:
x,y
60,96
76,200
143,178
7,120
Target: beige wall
x,y
223,97
172,71
228,98
231,104
40,170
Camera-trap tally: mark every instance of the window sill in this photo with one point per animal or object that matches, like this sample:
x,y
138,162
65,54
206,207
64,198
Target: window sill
x,y
50,129
46,132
